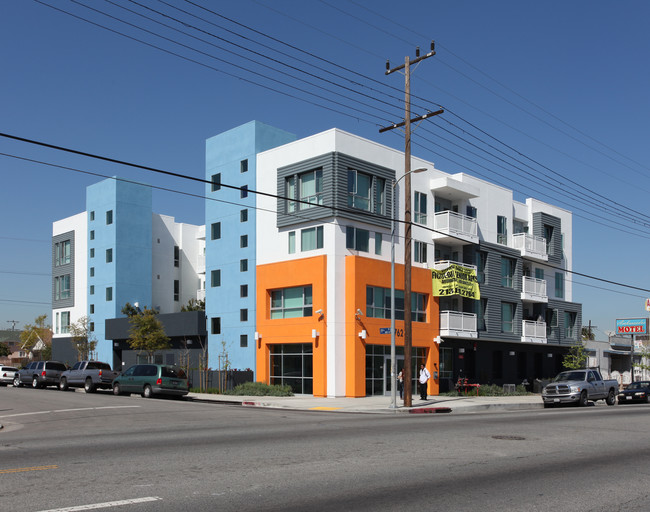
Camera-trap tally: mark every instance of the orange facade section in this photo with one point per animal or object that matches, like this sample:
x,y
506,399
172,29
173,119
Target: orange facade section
x,y
361,272
289,274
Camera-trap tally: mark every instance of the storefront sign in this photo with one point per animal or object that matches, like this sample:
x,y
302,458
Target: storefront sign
x,y
455,280
632,326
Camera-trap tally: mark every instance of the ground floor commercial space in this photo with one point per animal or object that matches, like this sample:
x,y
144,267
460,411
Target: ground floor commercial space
x,y
493,362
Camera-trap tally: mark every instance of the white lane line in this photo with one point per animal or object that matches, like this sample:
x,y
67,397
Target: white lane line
x,y
107,504
71,410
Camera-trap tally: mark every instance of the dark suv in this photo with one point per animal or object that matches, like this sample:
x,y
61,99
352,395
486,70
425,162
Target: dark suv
x,y
40,374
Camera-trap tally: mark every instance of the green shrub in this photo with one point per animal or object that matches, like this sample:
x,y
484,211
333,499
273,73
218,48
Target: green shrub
x,y
259,389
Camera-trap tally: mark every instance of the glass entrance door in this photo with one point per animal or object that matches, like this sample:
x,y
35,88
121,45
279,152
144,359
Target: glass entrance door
x,y
387,366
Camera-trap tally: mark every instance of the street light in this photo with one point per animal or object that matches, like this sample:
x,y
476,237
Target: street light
x,y
393,374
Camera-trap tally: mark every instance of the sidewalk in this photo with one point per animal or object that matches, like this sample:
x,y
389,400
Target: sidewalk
x,y
380,404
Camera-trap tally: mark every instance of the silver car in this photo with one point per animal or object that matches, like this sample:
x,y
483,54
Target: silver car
x,y
40,374
7,375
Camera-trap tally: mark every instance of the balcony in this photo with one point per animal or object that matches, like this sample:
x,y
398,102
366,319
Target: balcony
x,y
533,290
445,264
533,332
533,247
452,226
455,324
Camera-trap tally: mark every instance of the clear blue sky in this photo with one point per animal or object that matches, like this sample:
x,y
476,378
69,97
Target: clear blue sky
x,y
563,83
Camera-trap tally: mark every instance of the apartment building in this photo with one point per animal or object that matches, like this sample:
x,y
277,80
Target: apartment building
x,y
119,251
299,273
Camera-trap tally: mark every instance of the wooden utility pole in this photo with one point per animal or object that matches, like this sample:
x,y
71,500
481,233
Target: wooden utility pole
x,y
408,373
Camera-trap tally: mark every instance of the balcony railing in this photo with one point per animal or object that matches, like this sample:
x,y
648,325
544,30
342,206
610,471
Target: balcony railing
x,y
533,332
444,264
533,289
457,224
530,246
458,324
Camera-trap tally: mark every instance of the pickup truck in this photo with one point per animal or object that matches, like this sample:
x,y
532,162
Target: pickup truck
x,y
91,375
579,387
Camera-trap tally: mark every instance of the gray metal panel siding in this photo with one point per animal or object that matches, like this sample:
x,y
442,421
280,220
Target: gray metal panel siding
x,y
557,334
62,270
335,190
539,220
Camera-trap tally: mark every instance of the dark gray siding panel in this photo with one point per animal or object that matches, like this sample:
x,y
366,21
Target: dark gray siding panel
x,y
556,335
539,220
62,270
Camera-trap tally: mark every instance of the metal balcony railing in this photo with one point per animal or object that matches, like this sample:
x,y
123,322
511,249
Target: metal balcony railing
x,y
532,329
456,224
530,245
457,321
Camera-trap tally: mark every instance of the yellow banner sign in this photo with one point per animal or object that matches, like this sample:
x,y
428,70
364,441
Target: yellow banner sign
x,y
455,280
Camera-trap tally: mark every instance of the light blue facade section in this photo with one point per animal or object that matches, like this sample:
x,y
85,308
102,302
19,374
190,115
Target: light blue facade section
x,y
120,248
225,155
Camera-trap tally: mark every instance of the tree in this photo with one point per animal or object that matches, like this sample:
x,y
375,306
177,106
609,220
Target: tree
x,y
644,359
147,333
33,333
194,305
576,358
587,334
4,350
83,339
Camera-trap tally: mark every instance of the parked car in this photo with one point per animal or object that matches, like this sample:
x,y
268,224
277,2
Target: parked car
x,y
579,387
91,375
152,379
635,392
7,375
40,374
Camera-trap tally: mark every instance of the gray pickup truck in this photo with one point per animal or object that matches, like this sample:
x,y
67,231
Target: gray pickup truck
x,y
579,387
91,375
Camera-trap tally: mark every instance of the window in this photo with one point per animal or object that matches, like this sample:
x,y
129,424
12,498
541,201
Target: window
x,y
378,240
215,278
62,253
570,325
243,191
243,166
311,238
243,241
481,308
62,287
359,188
243,340
177,290
292,242
507,316
243,215
65,321
470,211
92,271
502,230
357,239
92,216
548,235
380,195
177,256
310,188
481,261
92,289
290,192
92,252
215,325
109,255
243,265
243,290
109,293
539,273
419,252
420,208
109,217
215,231
92,326
216,182
92,309
291,302
519,227
378,304
507,272
92,234
243,315
559,285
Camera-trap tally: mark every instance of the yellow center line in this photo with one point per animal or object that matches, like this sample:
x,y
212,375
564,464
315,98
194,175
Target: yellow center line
x,y
324,408
20,470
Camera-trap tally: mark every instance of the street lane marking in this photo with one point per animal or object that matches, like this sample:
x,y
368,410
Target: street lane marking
x,y
20,470
324,408
71,410
107,504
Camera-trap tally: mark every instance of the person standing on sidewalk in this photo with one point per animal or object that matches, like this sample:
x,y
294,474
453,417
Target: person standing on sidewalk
x,y
424,378
400,383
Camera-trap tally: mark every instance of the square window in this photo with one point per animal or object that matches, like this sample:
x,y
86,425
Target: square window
x,y
243,290
92,216
92,289
215,231
109,217
243,315
92,252
243,265
92,271
109,293
216,182
243,340
243,241
419,251
215,278
311,238
243,215
92,234
244,191
215,325
92,309
243,166
92,326
109,255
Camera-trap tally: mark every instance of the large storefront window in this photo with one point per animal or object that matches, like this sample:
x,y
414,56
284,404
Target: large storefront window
x,y
292,364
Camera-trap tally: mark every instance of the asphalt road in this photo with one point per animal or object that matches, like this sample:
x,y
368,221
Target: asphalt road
x,y
61,450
